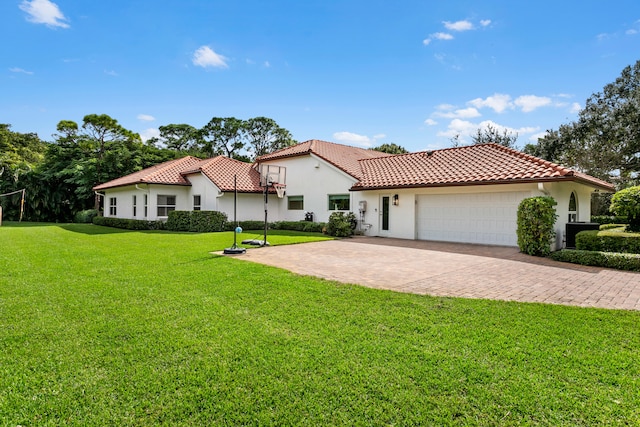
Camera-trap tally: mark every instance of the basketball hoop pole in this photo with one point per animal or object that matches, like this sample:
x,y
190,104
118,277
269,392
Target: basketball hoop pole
x,y
266,202
235,249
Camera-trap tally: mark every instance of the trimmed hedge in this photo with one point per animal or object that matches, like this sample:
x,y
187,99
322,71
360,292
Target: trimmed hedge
x,y
613,241
246,225
536,218
609,219
619,261
308,226
85,217
196,221
129,224
341,224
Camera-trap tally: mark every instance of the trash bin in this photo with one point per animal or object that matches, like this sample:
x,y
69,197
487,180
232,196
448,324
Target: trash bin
x,y
308,216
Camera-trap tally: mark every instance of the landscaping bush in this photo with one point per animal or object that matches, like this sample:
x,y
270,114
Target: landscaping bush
x,y
611,226
196,221
627,202
341,224
536,218
619,261
609,219
608,241
85,217
246,225
129,224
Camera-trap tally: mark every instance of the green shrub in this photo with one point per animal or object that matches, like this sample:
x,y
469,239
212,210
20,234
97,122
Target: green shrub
x,y
608,241
196,221
627,202
129,224
246,225
85,217
609,219
341,224
611,226
536,218
619,261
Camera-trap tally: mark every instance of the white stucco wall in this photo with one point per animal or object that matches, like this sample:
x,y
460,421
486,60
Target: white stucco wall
x,y
124,197
315,179
402,218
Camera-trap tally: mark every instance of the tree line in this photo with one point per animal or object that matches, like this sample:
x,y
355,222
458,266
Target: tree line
x,y
59,175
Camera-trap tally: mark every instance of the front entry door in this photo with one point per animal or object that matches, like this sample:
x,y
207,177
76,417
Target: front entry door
x,y
384,214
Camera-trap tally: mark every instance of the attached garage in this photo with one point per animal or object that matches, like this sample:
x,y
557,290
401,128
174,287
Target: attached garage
x,y
484,218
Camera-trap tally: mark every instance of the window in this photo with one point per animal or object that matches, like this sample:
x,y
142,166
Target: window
x,y
295,203
135,205
197,203
166,204
146,205
339,202
113,206
573,208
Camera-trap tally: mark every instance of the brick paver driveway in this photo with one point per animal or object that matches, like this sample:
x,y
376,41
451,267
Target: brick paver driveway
x,y
458,270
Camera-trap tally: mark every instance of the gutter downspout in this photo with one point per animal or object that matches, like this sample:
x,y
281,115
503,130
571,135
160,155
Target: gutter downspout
x,y
145,205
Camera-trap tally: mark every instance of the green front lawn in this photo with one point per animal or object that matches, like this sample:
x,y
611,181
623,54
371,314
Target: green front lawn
x,y
107,327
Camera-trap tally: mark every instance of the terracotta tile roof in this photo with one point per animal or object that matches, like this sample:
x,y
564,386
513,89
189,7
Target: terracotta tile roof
x,y
475,164
221,170
344,157
163,173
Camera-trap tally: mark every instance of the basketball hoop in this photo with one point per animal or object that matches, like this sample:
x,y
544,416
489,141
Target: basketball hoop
x,y
280,190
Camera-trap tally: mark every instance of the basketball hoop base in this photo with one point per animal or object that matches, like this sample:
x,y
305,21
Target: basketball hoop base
x,y
234,251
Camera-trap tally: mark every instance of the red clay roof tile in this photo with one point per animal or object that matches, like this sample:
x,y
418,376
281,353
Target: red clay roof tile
x,y
475,164
344,157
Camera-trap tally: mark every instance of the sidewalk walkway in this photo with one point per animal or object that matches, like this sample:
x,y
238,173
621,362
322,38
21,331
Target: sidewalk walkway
x,y
457,270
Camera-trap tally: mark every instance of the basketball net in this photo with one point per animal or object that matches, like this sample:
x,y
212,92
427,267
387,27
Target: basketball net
x,y
280,189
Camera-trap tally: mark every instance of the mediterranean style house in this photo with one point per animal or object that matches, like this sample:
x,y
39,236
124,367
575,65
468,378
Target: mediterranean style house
x,y
465,194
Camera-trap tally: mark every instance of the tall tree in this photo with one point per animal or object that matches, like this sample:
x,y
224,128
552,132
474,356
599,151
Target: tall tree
x,y
491,134
223,136
180,137
390,148
265,136
605,140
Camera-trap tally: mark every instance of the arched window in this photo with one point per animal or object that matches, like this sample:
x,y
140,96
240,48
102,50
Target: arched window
x,y
573,208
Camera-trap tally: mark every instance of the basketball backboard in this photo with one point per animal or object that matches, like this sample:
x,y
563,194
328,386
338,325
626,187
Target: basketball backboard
x,y
272,174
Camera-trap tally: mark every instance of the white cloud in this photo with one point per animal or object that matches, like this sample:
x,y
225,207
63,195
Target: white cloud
x,y
575,108
529,103
111,73
458,25
44,12
631,32
20,70
379,136
465,129
352,138
464,113
205,57
536,136
485,22
430,122
498,102
267,64
147,134
442,36
146,118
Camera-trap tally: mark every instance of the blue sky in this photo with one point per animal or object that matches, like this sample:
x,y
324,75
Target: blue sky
x,y
362,73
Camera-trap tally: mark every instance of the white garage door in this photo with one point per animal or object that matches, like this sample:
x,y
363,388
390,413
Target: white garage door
x,y
486,218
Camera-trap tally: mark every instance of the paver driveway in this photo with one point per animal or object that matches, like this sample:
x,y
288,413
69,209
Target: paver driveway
x,y
459,270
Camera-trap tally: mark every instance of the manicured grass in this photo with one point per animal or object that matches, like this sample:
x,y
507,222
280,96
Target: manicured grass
x,y
105,327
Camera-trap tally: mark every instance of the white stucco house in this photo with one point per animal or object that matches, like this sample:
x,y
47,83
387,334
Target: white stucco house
x,y
464,194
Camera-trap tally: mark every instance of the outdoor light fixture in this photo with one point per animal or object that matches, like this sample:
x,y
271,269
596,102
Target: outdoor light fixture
x,y
395,200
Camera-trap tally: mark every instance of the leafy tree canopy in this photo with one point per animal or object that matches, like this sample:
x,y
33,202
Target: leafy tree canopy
x,y
605,140
390,148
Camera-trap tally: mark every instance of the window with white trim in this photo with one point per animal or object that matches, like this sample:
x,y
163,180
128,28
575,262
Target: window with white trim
x,y
166,204
339,202
295,203
197,202
113,206
135,205
573,208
